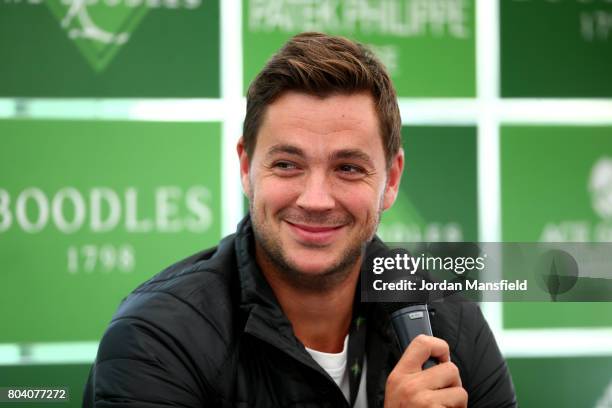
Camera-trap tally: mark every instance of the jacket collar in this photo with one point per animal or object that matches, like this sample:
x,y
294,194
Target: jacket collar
x,y
265,319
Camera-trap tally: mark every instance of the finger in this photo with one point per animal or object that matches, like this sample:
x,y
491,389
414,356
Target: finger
x,y
455,397
443,375
419,350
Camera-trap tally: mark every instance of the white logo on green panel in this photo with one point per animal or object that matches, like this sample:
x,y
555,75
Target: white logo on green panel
x,y
103,209
98,42
599,185
396,18
100,28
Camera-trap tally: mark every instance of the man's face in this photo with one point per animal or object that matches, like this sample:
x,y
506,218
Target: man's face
x,y
317,184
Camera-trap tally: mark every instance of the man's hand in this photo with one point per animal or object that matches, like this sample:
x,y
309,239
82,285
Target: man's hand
x,y
408,385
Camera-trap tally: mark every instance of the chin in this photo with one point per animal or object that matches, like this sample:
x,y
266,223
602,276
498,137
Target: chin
x,y
312,270
308,264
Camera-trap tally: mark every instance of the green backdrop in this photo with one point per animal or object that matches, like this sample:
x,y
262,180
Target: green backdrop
x,y
91,210
135,48
428,47
438,195
562,382
551,192
73,376
555,48
63,278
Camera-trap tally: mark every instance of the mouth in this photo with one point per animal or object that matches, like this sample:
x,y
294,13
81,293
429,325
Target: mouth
x,y
315,234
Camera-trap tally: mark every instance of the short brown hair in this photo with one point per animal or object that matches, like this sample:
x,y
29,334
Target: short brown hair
x,y
321,65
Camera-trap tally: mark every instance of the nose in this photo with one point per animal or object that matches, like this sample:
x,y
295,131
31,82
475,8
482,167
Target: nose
x,y
316,194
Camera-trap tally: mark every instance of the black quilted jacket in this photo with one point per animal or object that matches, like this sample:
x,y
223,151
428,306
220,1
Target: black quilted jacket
x,y
208,332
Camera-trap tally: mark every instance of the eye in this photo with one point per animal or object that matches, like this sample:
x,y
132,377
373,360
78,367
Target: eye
x,y
285,168
352,171
283,165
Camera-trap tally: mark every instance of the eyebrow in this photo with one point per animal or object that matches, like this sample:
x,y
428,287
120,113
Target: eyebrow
x,y
285,148
354,154
344,154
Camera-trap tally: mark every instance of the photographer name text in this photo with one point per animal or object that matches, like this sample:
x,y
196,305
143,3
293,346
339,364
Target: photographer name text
x,y
455,286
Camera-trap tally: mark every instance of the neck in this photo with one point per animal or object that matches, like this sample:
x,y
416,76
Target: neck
x,y
320,319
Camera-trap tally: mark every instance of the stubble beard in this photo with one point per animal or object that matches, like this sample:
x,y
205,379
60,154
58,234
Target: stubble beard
x,y
287,270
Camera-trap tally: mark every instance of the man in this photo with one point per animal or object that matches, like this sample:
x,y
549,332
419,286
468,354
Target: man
x,y
271,317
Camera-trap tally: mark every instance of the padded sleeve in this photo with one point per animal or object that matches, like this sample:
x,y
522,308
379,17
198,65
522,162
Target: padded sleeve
x,y
139,365
489,382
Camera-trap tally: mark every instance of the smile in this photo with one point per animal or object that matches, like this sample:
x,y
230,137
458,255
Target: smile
x,y
315,234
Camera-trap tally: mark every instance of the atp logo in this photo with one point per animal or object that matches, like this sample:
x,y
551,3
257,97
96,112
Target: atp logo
x,y
582,229
600,187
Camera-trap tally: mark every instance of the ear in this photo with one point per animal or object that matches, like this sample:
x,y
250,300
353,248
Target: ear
x,y
244,168
394,175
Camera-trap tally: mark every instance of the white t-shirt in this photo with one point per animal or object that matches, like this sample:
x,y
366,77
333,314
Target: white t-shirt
x,y
335,365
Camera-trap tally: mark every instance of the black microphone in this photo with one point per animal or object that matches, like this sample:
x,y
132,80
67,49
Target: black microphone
x,y
408,322
408,311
